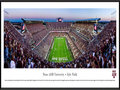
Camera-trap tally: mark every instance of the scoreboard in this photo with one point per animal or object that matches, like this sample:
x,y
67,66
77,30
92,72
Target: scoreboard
x,y
59,20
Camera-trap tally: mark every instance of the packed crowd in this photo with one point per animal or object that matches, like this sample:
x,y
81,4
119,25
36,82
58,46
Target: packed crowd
x,y
79,42
23,39
43,47
11,29
101,53
13,51
103,48
38,36
58,25
101,26
84,29
35,27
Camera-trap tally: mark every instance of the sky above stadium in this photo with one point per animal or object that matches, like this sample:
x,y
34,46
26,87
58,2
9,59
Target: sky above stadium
x,y
65,13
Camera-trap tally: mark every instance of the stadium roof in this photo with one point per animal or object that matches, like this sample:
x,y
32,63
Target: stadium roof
x,y
91,19
103,21
14,20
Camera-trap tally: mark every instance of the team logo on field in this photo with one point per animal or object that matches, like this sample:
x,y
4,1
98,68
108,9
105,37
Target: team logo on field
x,y
64,58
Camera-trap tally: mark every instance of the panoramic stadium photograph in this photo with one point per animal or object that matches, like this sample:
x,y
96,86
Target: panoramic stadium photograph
x,y
59,38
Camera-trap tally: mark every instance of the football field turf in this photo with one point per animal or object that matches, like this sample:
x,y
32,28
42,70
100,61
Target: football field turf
x,y
59,51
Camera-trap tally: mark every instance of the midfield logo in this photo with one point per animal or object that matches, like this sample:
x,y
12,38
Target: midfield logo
x,y
113,73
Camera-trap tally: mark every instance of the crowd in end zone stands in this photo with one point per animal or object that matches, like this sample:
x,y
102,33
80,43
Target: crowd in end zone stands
x,y
101,53
58,25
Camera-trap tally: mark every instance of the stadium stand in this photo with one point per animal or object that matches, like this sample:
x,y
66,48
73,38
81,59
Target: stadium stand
x,y
35,27
93,52
84,29
58,26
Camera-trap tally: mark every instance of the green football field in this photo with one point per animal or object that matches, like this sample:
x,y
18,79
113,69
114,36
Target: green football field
x,y
59,51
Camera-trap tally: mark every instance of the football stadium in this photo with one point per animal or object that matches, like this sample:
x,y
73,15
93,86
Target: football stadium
x,y
82,43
